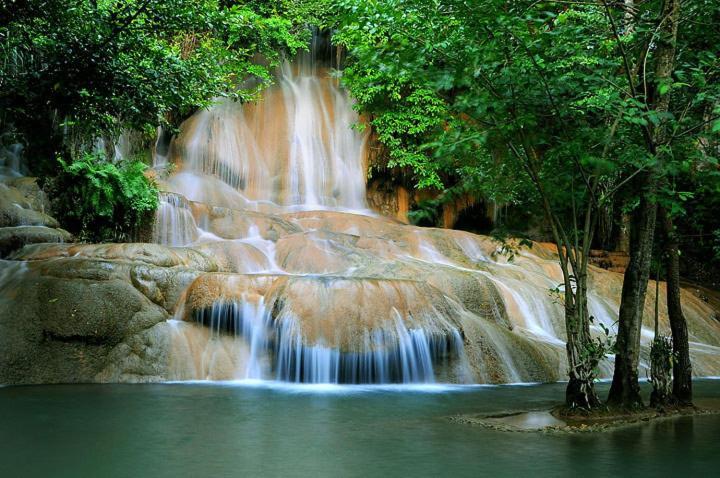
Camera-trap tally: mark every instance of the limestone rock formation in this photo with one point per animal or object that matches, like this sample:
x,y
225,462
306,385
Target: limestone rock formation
x,y
330,287
91,313
23,219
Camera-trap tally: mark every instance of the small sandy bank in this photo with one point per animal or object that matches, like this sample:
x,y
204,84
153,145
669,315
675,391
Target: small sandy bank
x,y
558,420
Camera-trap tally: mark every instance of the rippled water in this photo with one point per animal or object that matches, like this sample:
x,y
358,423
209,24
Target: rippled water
x,y
266,429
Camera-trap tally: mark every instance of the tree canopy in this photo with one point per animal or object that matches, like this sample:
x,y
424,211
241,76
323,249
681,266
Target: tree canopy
x,y
98,66
449,83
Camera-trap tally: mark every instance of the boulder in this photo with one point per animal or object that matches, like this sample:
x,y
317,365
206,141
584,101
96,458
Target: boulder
x,y
62,320
19,208
14,238
91,313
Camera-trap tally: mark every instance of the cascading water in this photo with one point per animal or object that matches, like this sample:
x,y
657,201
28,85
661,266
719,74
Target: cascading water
x,y
313,287
394,354
293,150
268,265
176,225
10,160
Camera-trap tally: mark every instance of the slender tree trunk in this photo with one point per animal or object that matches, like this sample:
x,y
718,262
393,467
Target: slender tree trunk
x,y
660,360
574,396
682,368
580,391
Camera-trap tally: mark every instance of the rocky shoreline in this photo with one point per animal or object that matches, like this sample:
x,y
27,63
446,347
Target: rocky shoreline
x,y
558,421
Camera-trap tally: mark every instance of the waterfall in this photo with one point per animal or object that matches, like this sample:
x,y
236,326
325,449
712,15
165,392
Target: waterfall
x,y
312,287
394,354
174,222
11,163
294,149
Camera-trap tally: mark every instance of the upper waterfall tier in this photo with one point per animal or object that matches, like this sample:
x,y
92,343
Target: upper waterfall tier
x,y
294,149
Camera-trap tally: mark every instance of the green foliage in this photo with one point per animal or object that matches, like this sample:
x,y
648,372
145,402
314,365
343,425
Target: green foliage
x,y
557,293
448,86
585,356
509,247
661,354
596,349
426,213
457,90
76,70
103,201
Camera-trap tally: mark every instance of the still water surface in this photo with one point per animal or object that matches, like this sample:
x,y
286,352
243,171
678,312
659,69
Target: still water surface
x,y
218,430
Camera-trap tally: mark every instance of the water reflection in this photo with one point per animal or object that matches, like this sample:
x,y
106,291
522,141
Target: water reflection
x,y
240,430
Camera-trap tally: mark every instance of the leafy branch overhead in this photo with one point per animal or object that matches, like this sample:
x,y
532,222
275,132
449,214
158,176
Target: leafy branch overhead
x,y
102,66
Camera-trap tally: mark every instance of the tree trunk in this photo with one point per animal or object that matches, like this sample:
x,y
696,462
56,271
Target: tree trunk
x,y
625,390
580,391
682,368
660,357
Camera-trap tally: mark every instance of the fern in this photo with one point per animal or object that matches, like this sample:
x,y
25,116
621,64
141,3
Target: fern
x,y
103,201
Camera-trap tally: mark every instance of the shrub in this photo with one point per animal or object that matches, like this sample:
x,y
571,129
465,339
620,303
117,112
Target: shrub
x,y
103,201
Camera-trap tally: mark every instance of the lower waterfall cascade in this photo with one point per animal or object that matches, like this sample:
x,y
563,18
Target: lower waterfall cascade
x,y
385,356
